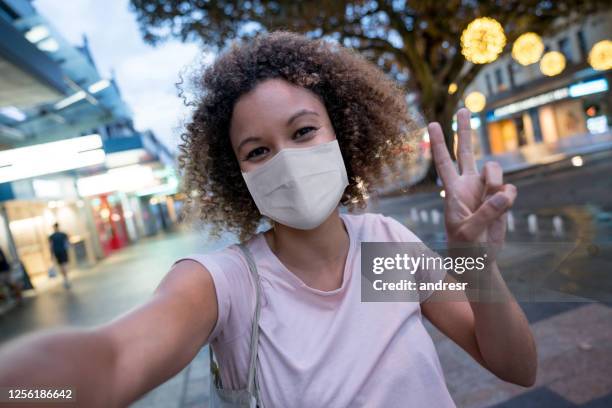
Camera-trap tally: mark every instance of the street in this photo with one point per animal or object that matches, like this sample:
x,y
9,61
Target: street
x,y
574,338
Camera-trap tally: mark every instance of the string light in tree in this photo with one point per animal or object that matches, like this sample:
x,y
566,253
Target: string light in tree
x,y
482,40
527,49
452,88
600,57
552,63
475,101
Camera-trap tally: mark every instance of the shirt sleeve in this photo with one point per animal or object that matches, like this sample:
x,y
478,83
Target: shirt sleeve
x,y
401,233
232,282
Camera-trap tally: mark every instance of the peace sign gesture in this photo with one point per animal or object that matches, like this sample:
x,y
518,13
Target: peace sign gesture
x,y
475,204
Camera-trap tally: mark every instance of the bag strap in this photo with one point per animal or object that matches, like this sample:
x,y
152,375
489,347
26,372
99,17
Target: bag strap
x,y
252,382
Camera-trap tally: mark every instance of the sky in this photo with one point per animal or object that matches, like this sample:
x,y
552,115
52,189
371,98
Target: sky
x,y
146,75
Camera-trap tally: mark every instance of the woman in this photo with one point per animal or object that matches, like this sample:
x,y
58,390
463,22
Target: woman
x,y
289,127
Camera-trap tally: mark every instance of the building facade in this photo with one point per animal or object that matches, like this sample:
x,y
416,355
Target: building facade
x,y
530,118
69,152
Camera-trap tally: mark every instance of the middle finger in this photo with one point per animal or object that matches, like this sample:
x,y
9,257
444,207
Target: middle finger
x,y
467,163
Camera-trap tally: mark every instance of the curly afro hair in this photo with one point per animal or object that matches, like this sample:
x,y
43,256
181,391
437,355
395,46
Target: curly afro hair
x,y
368,111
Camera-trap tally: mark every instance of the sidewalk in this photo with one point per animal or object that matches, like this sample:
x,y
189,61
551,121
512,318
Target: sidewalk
x,y
41,283
574,367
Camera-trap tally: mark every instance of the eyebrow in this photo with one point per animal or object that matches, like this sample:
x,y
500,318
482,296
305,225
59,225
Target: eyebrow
x,y
247,140
301,113
293,117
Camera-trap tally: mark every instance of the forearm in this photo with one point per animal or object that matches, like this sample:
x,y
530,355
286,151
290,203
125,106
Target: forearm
x,y
80,359
503,334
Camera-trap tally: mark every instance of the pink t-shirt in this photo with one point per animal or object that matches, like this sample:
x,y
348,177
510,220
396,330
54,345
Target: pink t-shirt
x,y
323,348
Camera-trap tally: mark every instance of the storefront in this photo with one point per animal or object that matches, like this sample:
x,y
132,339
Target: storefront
x,y
31,222
577,110
161,204
37,191
109,221
129,202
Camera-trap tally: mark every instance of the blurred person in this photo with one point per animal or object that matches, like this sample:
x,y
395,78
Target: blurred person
x,y
292,127
60,243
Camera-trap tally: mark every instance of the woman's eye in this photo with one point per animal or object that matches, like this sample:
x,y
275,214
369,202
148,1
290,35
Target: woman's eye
x,y
305,130
255,152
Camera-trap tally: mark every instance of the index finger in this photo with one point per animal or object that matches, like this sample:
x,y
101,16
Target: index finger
x,y
444,164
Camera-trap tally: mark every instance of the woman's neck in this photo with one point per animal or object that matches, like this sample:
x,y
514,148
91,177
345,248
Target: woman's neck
x,y
316,256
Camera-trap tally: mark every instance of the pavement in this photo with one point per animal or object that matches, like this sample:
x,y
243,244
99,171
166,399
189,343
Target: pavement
x,y
574,339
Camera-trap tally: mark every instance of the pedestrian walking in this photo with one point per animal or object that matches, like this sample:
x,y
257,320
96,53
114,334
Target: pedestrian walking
x,y
60,243
288,129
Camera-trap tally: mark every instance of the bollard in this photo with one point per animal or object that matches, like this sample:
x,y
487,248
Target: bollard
x,y
532,223
424,216
414,215
435,216
510,221
557,226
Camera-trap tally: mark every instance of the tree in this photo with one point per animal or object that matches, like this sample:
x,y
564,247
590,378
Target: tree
x,y
416,42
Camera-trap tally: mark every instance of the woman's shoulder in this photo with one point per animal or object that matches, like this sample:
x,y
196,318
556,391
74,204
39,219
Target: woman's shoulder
x,y
228,260
373,226
233,285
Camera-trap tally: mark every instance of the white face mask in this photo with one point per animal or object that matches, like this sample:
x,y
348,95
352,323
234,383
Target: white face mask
x,y
299,187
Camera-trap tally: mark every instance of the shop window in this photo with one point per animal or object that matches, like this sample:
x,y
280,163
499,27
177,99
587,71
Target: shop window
x,y
528,130
503,136
499,80
548,125
569,117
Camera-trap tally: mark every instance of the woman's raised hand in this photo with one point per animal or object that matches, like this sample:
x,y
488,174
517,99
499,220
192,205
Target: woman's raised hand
x,y
475,204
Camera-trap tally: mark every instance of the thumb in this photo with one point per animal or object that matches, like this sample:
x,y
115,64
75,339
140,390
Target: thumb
x,y
493,208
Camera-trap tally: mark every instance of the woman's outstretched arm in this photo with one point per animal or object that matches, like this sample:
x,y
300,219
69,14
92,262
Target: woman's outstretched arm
x,y
114,364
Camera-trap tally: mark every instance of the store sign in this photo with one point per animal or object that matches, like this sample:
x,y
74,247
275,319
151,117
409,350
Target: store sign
x,y
529,103
56,188
168,188
126,179
588,88
125,158
572,91
48,158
